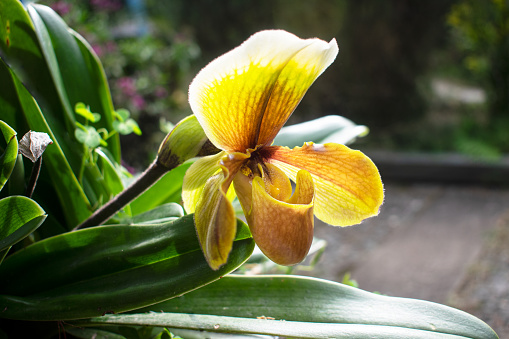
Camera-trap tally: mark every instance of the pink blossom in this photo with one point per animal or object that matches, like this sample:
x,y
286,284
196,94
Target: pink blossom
x,y
138,102
127,86
61,7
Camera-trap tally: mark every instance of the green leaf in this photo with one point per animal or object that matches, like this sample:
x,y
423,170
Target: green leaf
x,y
293,329
112,176
134,126
160,214
122,114
8,158
331,128
19,216
14,100
109,269
126,127
102,92
84,111
61,70
167,189
310,308
89,136
76,71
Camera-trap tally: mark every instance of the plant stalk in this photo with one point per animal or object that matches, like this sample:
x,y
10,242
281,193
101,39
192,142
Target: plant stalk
x,y
150,176
36,170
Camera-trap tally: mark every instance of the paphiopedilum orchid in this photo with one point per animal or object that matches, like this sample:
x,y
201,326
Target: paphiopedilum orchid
x,y
242,99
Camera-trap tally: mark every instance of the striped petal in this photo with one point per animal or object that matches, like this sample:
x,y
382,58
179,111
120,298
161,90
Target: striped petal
x,y
348,188
283,230
214,216
244,97
195,178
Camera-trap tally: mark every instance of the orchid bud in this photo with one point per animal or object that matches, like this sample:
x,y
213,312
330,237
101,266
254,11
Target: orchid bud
x,y
187,140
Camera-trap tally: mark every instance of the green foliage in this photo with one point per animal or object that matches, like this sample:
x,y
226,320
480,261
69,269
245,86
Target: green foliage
x,y
54,278
304,308
125,125
347,280
10,153
20,217
147,62
119,268
481,31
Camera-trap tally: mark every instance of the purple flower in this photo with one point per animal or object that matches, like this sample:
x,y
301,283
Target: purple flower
x,y
61,7
127,86
138,102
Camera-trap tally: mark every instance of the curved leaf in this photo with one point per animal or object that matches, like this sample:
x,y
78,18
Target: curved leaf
x,y
19,216
159,214
313,301
60,69
75,69
8,158
330,128
293,329
109,269
17,99
111,174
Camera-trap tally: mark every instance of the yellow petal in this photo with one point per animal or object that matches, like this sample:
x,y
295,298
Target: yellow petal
x,y
215,222
348,188
277,184
196,177
245,96
214,216
293,82
282,230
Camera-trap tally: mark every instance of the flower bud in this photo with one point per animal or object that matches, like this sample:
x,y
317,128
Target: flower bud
x,y
187,140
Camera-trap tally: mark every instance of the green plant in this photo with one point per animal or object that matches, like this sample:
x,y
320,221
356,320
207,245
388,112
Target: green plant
x,y
124,279
481,32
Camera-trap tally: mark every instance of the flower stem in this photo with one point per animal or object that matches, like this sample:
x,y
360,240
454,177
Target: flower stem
x,y
151,175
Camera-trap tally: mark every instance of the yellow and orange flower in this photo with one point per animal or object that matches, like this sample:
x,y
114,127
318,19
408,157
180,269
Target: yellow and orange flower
x,y
242,99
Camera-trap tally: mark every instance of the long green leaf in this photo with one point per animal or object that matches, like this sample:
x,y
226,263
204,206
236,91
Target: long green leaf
x,y
20,47
19,216
159,214
20,102
109,269
8,158
310,300
76,71
293,329
78,77
60,69
100,84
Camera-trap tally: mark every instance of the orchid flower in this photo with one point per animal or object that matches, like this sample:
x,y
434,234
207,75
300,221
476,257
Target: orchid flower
x,y
242,99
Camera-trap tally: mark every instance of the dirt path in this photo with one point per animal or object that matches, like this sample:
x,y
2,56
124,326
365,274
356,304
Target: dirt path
x,y
423,245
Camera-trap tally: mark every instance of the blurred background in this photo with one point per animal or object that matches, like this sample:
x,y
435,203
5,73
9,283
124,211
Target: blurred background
x,y
427,76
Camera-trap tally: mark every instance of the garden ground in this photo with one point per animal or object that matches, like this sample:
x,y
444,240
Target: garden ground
x,y
438,242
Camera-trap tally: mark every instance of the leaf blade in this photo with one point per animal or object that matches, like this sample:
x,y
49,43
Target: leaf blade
x,y
293,329
8,158
294,298
19,216
141,265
